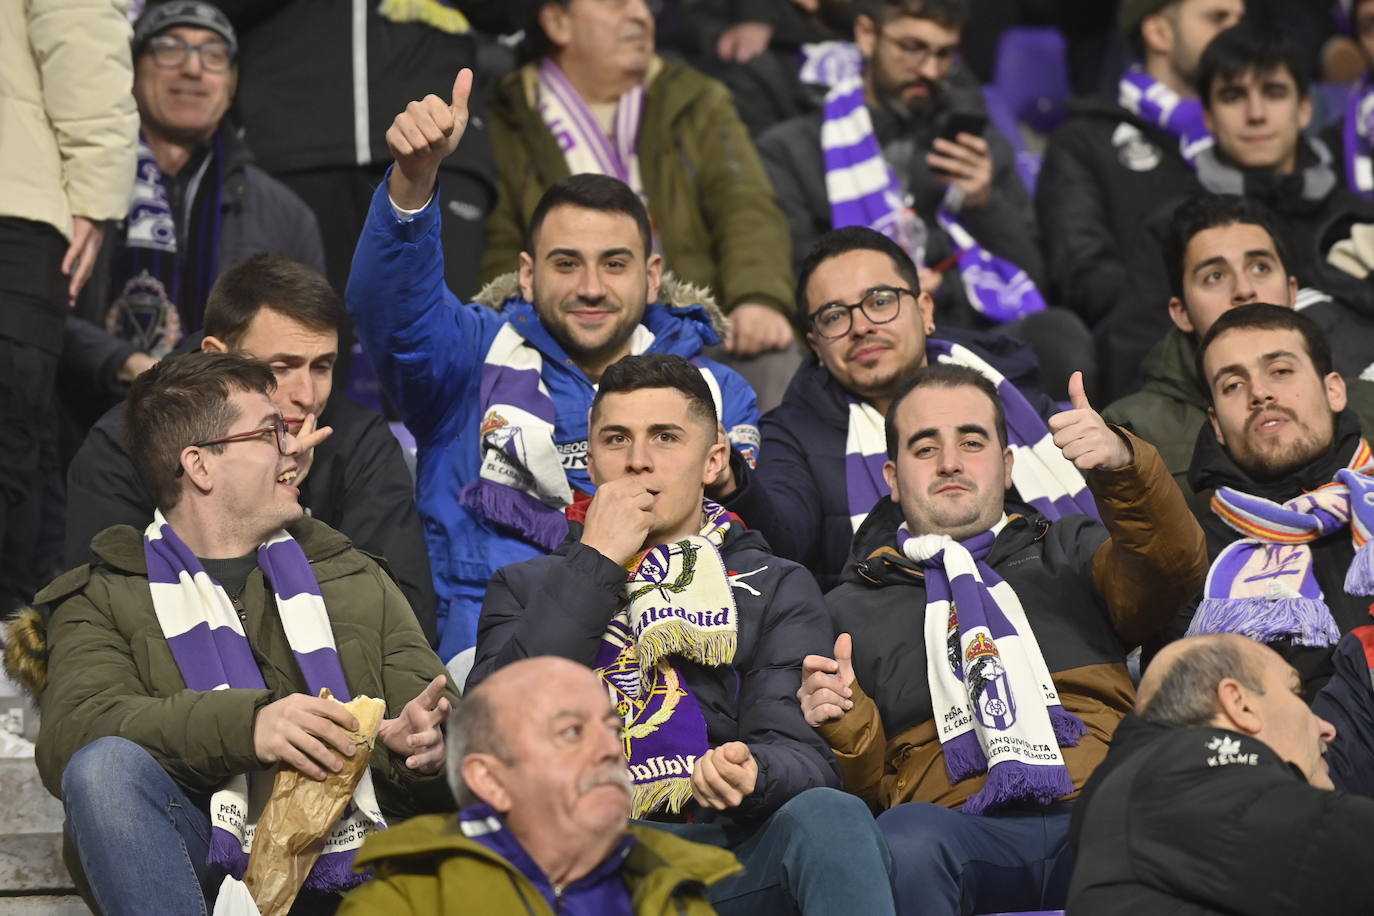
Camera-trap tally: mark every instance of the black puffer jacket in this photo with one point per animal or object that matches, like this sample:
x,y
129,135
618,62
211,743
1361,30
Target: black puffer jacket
x,y
797,496
561,605
1209,822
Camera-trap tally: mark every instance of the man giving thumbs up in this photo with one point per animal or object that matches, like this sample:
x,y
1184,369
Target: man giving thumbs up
x,y
980,668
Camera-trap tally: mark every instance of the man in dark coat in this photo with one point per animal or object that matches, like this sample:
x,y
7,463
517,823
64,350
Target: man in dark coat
x,y
1215,798
1279,430
803,495
1111,166
702,647
284,313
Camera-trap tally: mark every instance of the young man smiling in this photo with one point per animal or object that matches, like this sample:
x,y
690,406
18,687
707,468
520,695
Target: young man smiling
x,y
1288,473
497,394
701,646
980,666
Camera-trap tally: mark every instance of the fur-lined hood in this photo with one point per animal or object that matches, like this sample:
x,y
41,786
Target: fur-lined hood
x,y
672,292
26,651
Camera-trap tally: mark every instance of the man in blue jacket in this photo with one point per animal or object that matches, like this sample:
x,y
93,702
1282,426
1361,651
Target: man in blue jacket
x,y
497,398
700,646
870,324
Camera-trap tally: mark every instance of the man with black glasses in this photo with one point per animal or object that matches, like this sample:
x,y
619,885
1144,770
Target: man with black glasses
x,y
869,326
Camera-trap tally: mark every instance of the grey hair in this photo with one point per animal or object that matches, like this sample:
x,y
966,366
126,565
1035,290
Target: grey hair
x,y
472,729
1187,694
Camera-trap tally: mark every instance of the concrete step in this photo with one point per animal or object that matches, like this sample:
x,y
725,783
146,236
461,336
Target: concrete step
x,y
30,837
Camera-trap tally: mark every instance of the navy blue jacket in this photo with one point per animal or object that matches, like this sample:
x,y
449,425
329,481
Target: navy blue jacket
x,y
561,605
1347,702
797,496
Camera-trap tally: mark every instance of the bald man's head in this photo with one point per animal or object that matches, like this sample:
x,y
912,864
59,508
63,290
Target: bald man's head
x,y
1180,686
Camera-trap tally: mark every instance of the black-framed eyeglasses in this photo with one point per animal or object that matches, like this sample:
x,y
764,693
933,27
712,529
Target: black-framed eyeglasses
x,y
279,429
170,52
880,306
917,52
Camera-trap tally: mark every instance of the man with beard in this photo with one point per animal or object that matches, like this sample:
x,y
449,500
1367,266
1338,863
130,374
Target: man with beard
x,y
1223,251
1289,474
903,148
980,667
1107,170
497,397
534,760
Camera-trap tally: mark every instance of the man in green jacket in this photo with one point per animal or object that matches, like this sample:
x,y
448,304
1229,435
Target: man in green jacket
x,y
535,758
188,660
599,100
1223,251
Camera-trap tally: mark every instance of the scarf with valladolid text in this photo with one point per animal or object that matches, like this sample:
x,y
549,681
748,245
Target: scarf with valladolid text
x,y
677,603
1155,103
1041,474
1262,585
211,650
864,191
995,704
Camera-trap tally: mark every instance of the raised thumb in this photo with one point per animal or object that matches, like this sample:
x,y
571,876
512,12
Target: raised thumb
x,y
844,652
462,88
1077,396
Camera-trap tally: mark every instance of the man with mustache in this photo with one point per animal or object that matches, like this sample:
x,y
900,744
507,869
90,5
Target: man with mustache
x,y
980,666
1289,474
893,150
535,762
497,394
698,631
1221,759
596,98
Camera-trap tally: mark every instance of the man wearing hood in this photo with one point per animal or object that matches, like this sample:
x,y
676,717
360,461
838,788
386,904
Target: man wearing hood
x,y
1288,474
497,397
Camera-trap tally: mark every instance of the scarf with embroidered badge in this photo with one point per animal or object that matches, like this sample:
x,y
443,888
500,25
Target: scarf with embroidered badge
x,y
1041,474
211,650
1155,103
1263,585
677,603
864,191
996,707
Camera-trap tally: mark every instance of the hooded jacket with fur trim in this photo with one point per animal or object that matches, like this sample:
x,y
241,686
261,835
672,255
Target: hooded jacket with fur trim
x,y
428,348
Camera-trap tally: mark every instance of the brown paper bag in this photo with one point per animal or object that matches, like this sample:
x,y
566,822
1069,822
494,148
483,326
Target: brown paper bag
x,y
300,814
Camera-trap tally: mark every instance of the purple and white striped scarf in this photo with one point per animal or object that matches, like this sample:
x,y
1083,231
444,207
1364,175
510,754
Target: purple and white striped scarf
x,y
864,191
983,665
1263,585
1358,131
1154,102
678,603
1043,477
585,145
207,641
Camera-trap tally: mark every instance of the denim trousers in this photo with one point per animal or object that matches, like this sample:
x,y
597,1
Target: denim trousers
x,y
141,841
948,863
820,853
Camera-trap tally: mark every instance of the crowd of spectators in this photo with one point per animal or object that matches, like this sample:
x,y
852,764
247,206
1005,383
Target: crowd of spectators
x,y
795,480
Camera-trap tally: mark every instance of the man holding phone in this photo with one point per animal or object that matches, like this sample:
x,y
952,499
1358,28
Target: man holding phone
x,y
904,147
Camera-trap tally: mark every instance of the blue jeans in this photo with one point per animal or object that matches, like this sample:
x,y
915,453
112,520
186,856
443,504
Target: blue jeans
x,y
138,836
820,853
948,863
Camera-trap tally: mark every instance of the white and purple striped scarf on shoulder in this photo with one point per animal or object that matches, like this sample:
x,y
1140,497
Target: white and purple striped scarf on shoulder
x,y
983,665
1043,477
212,652
864,191
1155,103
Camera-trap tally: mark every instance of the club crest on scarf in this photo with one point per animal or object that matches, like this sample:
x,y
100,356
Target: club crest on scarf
x,y
1263,585
677,603
985,669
